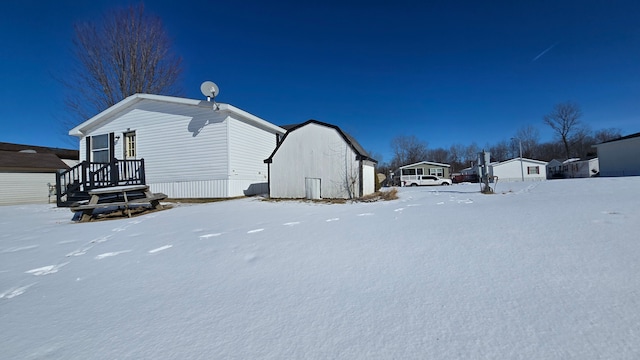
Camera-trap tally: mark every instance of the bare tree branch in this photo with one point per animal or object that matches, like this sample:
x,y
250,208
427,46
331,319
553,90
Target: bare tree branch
x,y
127,52
564,120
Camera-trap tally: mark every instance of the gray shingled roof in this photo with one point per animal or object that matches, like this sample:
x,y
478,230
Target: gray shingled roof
x,y
30,162
61,153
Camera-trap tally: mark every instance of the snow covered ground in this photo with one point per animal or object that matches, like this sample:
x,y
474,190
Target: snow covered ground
x,y
546,270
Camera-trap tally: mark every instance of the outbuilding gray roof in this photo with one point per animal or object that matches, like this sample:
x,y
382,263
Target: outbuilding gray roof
x,y
362,154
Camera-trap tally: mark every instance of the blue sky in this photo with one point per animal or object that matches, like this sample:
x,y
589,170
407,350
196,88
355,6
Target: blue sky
x,y
448,72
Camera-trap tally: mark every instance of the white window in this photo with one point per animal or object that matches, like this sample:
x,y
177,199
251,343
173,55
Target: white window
x,y
100,148
436,171
130,145
533,170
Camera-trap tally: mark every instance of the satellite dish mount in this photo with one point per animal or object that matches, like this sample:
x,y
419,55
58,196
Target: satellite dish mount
x,y
210,90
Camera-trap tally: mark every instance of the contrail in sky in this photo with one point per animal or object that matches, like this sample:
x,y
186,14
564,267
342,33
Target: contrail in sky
x,y
544,52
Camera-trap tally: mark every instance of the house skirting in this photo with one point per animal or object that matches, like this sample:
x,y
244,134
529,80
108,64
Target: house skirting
x,y
209,188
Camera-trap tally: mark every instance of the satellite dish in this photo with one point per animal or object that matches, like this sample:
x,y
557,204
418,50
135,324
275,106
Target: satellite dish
x,y
209,89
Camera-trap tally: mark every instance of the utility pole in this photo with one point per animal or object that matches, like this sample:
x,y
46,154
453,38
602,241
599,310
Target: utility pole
x,y
521,166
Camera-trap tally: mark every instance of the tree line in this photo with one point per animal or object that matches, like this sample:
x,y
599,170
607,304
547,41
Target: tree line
x,y
573,139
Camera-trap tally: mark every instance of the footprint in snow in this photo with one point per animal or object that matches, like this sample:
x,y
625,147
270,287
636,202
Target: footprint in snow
x,y
122,228
206,236
254,231
366,214
413,205
398,209
66,242
440,203
291,223
80,251
14,291
20,248
250,257
161,248
109,254
332,219
101,239
46,270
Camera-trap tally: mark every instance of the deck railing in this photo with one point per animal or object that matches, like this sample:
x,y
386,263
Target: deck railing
x,y
86,176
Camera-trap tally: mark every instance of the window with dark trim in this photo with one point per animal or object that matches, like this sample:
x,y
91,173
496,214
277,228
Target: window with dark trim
x,y
533,170
100,148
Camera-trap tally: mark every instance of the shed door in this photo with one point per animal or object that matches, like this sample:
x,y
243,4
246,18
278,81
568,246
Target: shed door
x,y
312,188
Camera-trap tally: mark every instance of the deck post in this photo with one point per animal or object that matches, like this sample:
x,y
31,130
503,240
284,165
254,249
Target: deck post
x,y
141,171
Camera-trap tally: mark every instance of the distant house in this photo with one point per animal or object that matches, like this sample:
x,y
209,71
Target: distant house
x,y
317,160
576,168
27,173
555,169
620,157
412,172
190,149
517,170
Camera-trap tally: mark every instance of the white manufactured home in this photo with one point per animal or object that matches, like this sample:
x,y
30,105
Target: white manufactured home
x,y
26,176
190,149
317,160
519,169
620,157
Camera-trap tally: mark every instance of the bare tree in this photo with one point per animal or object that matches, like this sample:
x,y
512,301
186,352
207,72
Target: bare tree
x,y
607,134
529,135
456,160
439,155
470,154
407,150
565,121
500,151
127,52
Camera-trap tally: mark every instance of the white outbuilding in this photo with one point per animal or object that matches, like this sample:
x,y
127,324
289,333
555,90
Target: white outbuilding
x,y
316,160
620,157
27,176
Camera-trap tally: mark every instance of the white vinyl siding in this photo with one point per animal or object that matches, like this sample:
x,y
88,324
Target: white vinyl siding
x,y
620,158
510,170
248,147
187,148
25,188
314,151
